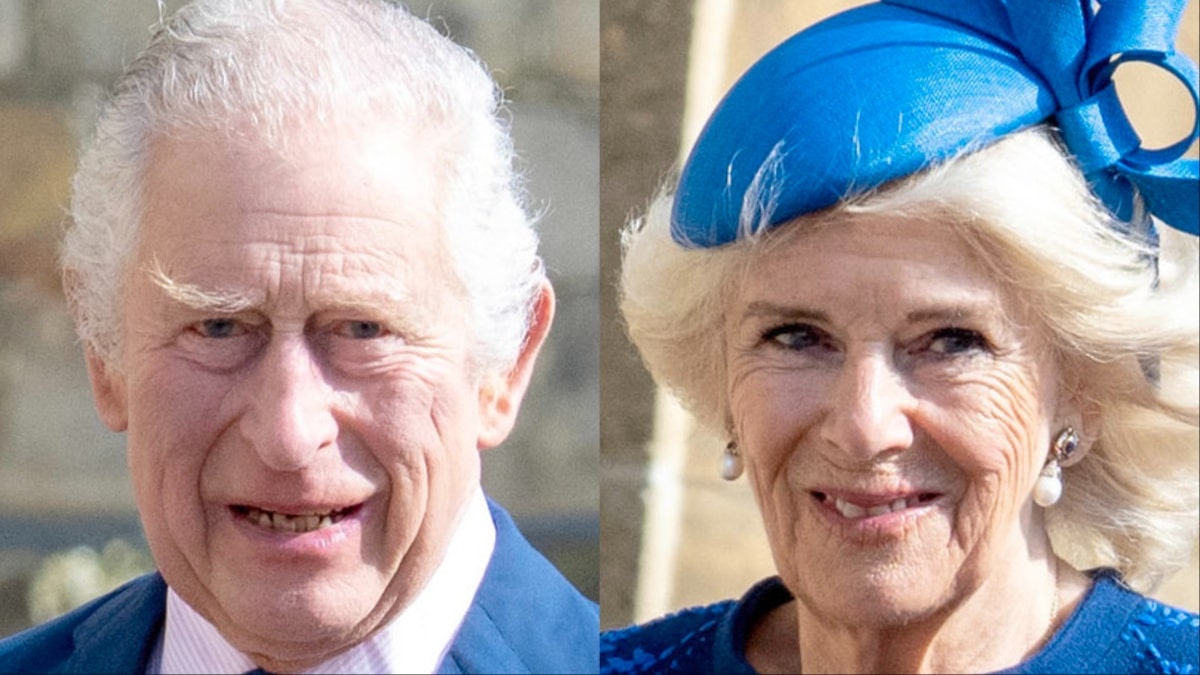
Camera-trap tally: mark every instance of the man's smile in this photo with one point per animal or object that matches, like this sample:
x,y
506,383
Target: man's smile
x,y
300,522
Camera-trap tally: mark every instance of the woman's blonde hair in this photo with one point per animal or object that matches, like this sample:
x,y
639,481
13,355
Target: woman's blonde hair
x,y
1124,320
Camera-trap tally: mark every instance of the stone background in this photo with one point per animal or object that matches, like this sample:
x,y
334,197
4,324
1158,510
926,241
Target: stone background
x,y
63,481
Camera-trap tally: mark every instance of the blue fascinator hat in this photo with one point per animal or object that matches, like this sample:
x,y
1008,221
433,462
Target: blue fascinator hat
x,y
884,90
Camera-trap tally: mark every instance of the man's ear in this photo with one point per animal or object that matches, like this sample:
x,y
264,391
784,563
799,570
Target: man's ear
x,y
108,392
500,395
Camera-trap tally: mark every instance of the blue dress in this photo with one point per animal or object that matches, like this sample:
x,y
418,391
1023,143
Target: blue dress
x,y
1113,630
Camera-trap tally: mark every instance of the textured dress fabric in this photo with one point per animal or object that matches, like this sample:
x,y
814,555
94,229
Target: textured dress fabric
x,y
1113,630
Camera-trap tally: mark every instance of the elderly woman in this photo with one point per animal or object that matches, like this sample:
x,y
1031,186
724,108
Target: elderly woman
x,y
912,270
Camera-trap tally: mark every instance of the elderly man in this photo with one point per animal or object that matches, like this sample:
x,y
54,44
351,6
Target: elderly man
x,y
309,295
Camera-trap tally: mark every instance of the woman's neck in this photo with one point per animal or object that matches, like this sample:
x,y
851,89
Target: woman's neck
x,y
1001,623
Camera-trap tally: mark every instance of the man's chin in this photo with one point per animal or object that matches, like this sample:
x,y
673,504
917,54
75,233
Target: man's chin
x,y
291,623
297,634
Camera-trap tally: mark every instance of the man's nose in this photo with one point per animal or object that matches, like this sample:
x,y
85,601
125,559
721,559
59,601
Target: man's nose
x,y
289,417
870,407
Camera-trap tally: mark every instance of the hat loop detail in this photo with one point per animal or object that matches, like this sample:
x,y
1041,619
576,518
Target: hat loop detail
x,y
921,80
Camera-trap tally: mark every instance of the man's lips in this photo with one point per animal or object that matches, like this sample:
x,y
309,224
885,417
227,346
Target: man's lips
x,y
297,520
856,505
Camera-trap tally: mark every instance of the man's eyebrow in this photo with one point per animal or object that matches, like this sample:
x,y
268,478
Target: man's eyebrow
x,y
197,298
383,300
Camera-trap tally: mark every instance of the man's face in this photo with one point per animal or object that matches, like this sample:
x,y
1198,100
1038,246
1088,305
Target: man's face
x,y
302,420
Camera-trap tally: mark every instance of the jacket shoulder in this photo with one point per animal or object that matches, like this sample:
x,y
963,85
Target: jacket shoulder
x,y
526,616
54,646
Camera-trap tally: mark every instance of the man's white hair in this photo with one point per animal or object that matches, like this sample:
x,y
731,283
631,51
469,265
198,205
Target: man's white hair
x,y
1126,333
222,66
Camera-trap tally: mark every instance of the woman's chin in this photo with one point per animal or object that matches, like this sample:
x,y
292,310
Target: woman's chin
x,y
867,604
884,580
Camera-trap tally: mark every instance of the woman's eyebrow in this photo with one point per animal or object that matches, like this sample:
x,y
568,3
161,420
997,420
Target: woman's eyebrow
x,y
763,308
954,312
973,311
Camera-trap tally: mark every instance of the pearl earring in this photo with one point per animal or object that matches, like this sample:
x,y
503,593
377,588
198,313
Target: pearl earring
x,y
731,462
1049,487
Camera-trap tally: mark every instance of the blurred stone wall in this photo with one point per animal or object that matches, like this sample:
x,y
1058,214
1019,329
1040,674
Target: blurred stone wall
x,y
63,480
643,75
721,547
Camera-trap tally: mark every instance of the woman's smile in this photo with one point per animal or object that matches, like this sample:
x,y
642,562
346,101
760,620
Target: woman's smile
x,y
874,517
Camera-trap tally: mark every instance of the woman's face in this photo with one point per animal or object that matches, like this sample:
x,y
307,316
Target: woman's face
x,y
894,406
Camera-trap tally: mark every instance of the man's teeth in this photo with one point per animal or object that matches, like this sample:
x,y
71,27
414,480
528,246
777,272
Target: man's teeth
x,y
851,510
286,523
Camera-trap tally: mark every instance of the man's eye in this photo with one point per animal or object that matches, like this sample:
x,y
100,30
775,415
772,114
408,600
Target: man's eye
x,y
950,341
362,330
795,336
220,328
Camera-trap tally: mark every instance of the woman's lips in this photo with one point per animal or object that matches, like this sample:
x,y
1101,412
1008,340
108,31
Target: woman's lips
x,y
855,506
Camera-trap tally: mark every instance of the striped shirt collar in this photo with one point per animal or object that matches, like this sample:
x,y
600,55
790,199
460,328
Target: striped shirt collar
x,y
415,641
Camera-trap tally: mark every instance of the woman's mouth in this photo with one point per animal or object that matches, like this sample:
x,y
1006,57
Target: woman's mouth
x,y
865,506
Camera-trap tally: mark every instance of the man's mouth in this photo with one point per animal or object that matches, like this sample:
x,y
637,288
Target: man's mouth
x,y
298,523
854,510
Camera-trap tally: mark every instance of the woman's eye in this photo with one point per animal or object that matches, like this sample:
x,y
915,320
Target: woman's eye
x,y
950,341
362,330
795,336
220,328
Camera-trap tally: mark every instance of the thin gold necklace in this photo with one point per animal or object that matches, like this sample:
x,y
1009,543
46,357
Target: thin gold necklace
x,y
1053,609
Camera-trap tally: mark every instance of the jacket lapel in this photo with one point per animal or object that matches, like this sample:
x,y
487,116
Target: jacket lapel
x,y
120,634
482,645
526,618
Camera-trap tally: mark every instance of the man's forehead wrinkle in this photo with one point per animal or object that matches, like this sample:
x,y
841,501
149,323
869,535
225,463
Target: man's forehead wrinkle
x,y
366,293
356,278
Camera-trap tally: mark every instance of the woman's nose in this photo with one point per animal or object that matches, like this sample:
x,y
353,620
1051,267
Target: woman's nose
x,y
289,416
870,407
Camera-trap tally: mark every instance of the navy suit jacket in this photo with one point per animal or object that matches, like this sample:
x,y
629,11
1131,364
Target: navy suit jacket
x,y
526,618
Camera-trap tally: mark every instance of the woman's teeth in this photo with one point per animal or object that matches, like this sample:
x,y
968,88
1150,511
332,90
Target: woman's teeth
x,y
299,523
851,510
